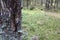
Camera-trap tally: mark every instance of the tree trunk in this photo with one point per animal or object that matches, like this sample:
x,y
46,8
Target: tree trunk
x,y
27,3
11,19
47,5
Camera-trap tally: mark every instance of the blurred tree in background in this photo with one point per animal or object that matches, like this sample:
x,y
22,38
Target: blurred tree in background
x,y
45,4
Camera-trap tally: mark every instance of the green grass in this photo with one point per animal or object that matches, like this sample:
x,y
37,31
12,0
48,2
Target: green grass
x,y
36,22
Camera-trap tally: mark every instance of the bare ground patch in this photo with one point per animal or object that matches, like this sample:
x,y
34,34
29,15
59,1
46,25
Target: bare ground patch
x,y
53,14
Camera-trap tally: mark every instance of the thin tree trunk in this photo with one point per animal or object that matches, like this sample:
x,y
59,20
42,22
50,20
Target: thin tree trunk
x,y
27,4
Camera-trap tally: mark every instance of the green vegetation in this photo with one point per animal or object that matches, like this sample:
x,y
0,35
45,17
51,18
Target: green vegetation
x,y
36,22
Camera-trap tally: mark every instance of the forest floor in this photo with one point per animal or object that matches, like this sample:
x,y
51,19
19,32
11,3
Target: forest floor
x,y
53,14
45,25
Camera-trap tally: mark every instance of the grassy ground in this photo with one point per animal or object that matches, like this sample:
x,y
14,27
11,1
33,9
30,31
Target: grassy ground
x,y
37,23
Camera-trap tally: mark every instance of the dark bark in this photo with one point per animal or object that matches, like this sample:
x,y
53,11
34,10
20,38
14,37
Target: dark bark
x,y
13,24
